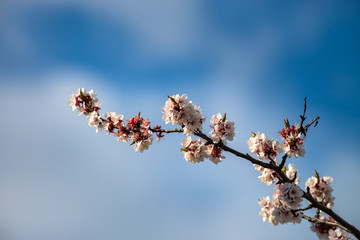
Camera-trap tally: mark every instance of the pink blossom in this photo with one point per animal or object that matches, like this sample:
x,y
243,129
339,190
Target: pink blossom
x,y
321,229
338,235
267,208
290,172
138,130
222,128
268,176
321,190
95,120
263,147
293,145
291,194
214,153
85,102
284,214
178,110
276,212
114,121
193,150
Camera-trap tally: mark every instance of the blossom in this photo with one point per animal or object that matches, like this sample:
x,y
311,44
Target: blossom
x,y
291,194
338,234
321,229
116,125
293,145
194,150
290,172
113,121
267,208
321,190
144,143
222,129
263,147
85,102
284,214
268,176
214,153
138,130
276,212
178,110
95,120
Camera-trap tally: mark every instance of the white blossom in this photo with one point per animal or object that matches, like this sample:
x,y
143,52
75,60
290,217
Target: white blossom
x,y
291,194
73,101
112,116
214,153
143,144
283,214
321,190
193,150
267,208
113,121
294,141
338,235
290,172
85,102
322,230
222,129
95,120
268,176
178,110
276,212
138,130
263,147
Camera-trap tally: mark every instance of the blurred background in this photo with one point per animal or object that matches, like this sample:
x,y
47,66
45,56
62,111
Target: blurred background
x,y
254,60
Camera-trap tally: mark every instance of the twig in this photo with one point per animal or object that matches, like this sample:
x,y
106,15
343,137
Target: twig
x,y
341,223
303,209
166,130
283,161
315,120
303,119
316,220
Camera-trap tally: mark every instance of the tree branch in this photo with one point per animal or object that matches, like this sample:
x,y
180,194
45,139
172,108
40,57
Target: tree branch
x,y
302,117
340,222
167,130
315,120
333,224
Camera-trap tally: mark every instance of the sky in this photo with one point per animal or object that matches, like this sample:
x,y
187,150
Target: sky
x,y
254,60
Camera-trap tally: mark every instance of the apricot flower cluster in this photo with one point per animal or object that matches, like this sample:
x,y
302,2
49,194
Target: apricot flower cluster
x,y
287,199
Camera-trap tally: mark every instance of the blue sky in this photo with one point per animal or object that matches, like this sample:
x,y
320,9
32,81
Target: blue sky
x,y
255,61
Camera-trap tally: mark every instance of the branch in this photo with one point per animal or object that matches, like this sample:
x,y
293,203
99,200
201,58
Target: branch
x,y
346,226
303,119
333,224
303,209
315,120
166,130
283,161
87,104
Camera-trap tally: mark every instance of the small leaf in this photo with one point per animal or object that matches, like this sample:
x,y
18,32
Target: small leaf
x,y
184,149
317,176
224,118
81,95
286,122
172,99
